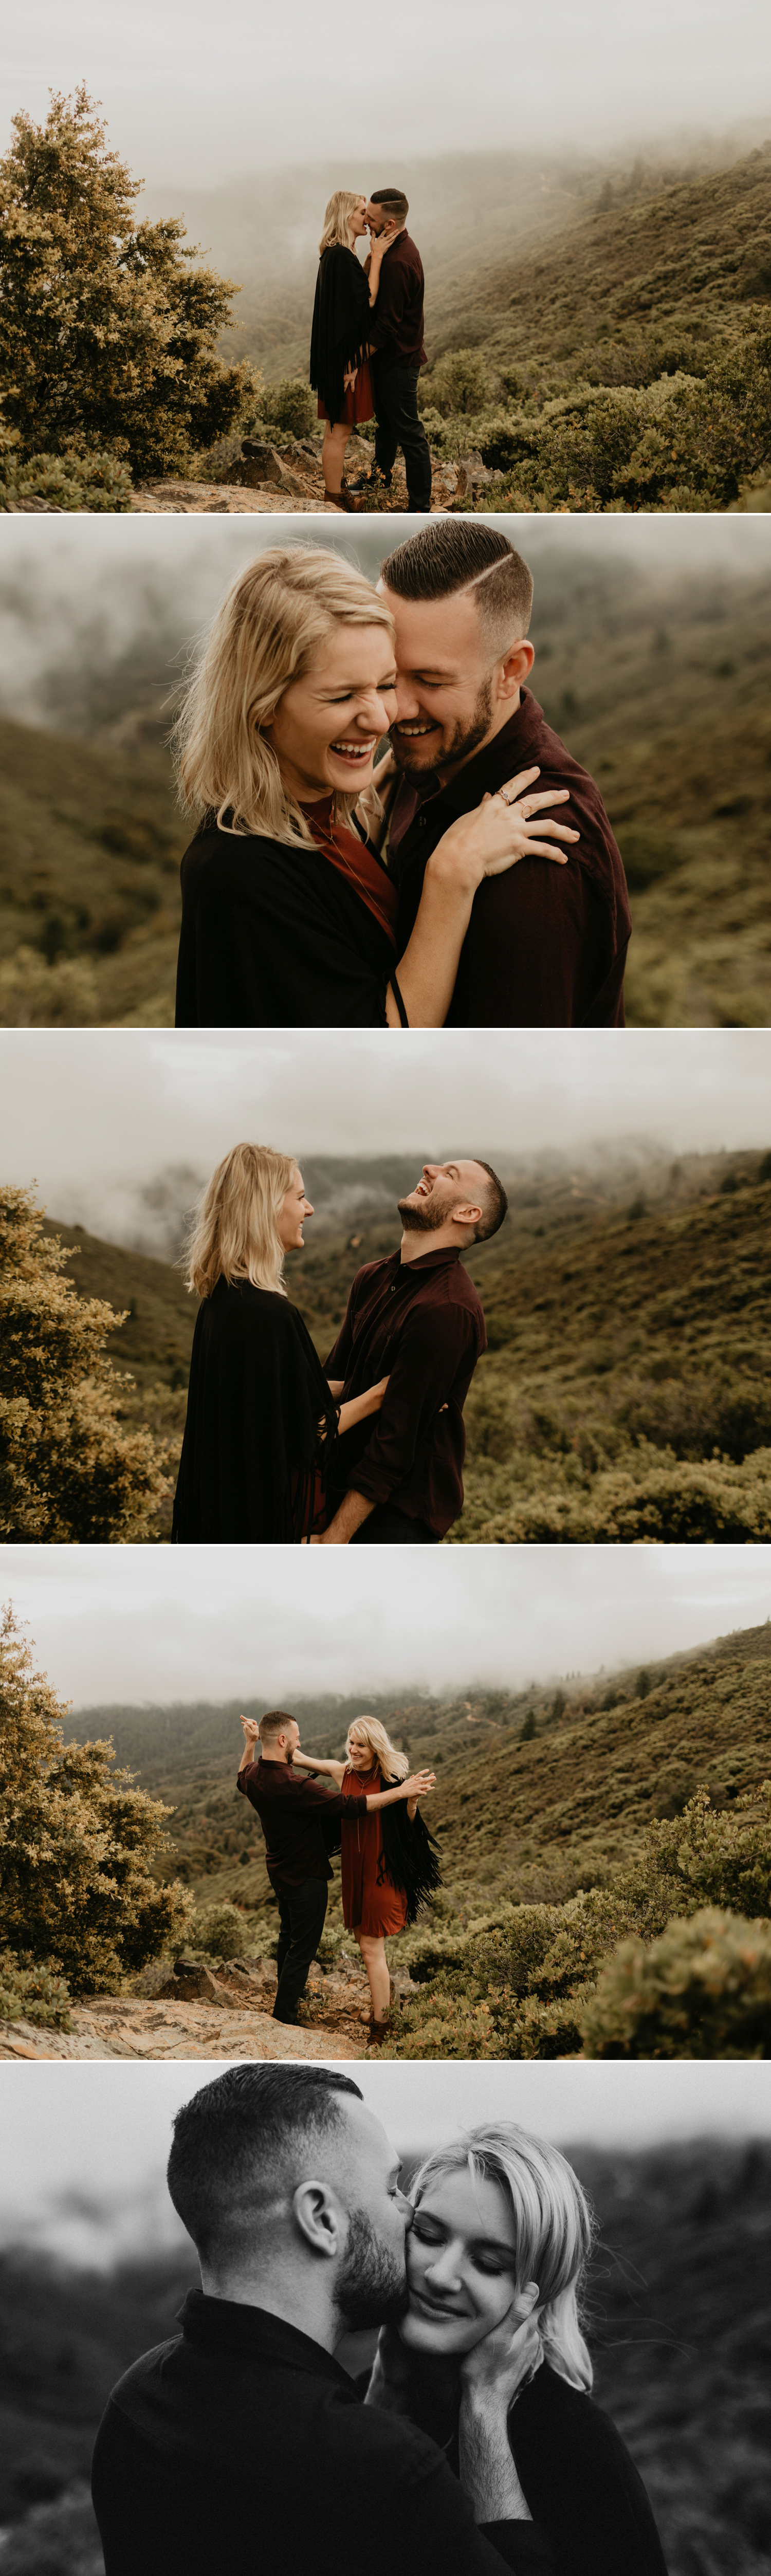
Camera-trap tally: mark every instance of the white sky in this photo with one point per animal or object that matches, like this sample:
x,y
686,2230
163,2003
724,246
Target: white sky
x,y
95,1115
86,2145
198,97
131,1625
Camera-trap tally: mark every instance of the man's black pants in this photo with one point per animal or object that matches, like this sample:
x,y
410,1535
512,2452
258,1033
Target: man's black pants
x,y
399,425
301,1915
388,1527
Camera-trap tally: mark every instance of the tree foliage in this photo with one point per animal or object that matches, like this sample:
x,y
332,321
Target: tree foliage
x,y
108,331
703,1989
77,1840
67,1469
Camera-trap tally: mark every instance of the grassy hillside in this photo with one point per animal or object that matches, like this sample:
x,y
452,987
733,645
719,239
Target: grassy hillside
x,y
540,1791
89,892
659,684
626,1392
682,2235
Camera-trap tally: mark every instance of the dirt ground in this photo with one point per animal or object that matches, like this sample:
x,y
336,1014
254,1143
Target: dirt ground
x,y
296,483
233,2020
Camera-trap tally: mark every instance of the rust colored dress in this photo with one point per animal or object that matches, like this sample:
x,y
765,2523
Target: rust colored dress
x,y
371,1903
358,403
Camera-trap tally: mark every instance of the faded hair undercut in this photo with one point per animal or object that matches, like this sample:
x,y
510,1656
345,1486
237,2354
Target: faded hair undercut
x,y
448,556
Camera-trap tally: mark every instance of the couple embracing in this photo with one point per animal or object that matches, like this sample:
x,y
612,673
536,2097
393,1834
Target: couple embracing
x,y
472,2443
367,342
367,1449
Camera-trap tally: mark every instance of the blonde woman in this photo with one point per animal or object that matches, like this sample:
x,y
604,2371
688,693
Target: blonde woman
x,y
339,344
388,1858
261,1416
289,915
496,2259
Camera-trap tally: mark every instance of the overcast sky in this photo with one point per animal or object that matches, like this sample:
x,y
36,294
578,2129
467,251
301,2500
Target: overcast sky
x,y
133,1625
75,596
194,96
86,2145
95,1115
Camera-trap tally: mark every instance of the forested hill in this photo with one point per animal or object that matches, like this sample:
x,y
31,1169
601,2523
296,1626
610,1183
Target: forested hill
x,y
541,1790
690,255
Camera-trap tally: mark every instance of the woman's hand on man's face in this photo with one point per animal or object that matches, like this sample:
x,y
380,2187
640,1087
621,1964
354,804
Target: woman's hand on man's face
x,y
504,2361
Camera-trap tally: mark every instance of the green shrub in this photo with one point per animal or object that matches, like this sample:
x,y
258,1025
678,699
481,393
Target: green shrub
x,y
290,406
703,1989
32,1990
459,383
220,1931
97,481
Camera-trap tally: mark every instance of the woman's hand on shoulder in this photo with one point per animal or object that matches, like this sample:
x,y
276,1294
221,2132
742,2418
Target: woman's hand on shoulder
x,y
505,2360
504,828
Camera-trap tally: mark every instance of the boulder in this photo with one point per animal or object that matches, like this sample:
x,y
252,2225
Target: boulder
x,y
258,464
191,1982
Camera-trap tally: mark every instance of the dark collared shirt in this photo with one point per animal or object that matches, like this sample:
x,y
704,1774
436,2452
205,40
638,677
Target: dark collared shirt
x,y
241,2448
545,946
420,1324
396,327
292,1809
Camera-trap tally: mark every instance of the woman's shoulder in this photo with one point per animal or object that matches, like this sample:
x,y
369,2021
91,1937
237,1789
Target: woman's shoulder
x,y
553,2407
223,855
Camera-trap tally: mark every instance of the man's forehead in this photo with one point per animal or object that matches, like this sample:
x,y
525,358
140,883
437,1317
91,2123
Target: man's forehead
x,y
450,624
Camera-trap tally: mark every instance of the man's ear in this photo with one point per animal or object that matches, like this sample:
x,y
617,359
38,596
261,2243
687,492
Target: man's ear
x,y
516,668
319,2217
466,1216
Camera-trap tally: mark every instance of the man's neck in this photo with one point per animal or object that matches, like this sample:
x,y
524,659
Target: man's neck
x,y
413,1246
297,2304
274,1757
452,768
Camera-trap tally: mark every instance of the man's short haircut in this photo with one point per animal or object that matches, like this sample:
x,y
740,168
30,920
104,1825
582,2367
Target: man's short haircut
x,y
273,1723
452,555
494,1205
235,2141
392,200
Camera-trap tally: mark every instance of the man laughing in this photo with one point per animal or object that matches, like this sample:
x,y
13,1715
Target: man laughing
x,y
416,1319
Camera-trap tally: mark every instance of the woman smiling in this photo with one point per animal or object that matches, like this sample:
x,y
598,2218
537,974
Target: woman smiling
x,y
496,2257
289,916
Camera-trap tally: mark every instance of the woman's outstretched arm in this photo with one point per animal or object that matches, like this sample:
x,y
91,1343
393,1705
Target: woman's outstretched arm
x,y
417,1786
361,1406
306,1762
252,1746
486,843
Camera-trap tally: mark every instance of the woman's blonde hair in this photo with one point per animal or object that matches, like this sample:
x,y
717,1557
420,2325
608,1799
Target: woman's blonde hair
x,y
394,1765
234,1233
264,636
554,2225
337,218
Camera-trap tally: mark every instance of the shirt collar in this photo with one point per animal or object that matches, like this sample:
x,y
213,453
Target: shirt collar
x,y
438,1260
464,790
219,2324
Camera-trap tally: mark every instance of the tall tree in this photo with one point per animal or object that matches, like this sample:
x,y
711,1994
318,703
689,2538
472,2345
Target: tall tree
x,y
77,1841
108,332
67,1468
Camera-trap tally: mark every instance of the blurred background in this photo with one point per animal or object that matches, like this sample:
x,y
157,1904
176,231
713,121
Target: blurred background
x,y
677,2159
653,649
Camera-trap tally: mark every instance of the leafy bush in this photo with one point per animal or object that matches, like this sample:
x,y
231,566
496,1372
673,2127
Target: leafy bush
x,y
702,1990
713,1500
291,406
522,1985
34,995
108,333
220,1931
96,481
32,1991
67,1470
459,383
77,1841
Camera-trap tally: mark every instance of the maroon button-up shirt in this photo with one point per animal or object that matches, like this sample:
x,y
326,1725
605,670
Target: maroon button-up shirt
x,y
292,1807
420,1324
545,946
395,331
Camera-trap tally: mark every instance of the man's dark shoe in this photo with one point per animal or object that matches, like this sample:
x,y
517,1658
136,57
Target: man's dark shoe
x,y
290,2020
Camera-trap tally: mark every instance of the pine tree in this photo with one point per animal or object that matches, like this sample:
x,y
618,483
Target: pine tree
x,y
67,1468
107,332
77,1841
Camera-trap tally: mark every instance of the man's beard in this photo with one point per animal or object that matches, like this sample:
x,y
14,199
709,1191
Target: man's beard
x,y
423,1216
465,740
372,2290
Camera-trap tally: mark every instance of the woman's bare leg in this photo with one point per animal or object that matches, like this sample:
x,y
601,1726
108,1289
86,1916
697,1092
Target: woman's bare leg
x,y
333,454
372,1947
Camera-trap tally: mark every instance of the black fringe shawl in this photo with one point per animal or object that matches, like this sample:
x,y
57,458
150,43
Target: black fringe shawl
x,y
410,1855
340,333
